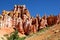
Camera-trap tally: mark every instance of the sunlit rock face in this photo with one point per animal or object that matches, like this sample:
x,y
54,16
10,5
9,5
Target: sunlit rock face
x,y
19,18
13,19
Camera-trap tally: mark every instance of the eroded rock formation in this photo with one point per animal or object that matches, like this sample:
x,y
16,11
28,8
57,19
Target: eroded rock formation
x,y
20,19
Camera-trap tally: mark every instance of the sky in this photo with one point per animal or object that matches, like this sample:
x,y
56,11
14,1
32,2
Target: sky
x,y
40,7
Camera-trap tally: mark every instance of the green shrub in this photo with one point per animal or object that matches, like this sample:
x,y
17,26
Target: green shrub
x,y
14,36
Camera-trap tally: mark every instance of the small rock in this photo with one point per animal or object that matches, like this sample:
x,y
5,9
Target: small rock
x,y
56,31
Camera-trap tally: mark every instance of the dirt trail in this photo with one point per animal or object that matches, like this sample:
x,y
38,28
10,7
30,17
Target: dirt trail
x,y
50,34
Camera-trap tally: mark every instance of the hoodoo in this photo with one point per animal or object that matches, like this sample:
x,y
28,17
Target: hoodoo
x,y
19,18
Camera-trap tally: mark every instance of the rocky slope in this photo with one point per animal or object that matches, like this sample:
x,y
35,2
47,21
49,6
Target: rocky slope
x,y
51,34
